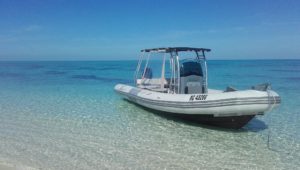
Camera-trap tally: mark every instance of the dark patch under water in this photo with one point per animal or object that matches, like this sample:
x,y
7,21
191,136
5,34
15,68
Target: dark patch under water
x,y
285,70
104,68
54,72
11,75
105,79
292,79
93,68
248,75
33,66
258,76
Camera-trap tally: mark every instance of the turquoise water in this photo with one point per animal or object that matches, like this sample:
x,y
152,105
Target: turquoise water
x,y
65,115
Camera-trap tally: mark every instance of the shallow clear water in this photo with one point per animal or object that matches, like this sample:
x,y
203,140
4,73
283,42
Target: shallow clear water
x,y
65,115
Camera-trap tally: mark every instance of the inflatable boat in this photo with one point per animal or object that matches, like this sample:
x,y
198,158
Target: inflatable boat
x,y
176,84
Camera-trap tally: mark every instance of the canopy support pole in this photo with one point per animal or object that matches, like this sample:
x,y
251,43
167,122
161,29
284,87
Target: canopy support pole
x,y
178,73
162,81
138,67
146,65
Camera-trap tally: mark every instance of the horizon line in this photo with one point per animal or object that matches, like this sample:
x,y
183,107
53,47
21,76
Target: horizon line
x,y
229,59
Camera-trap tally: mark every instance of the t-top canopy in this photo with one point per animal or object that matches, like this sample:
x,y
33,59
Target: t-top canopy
x,y
175,49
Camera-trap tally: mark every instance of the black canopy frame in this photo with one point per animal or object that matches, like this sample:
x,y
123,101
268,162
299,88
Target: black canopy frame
x,y
175,49
200,52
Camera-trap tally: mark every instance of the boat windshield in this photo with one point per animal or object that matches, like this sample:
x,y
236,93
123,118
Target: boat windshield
x,y
191,68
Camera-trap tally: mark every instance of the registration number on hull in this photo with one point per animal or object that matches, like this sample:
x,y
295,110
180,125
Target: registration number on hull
x,y
198,97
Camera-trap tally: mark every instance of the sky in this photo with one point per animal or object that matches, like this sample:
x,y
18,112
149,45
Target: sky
x,y
114,30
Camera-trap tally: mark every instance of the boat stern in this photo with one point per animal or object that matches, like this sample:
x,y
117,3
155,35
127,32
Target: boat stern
x,y
274,100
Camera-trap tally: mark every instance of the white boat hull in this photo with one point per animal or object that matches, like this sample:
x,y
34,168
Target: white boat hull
x,y
215,105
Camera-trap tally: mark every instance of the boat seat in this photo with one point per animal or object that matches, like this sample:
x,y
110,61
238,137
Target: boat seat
x,y
193,88
230,89
153,84
146,81
191,78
